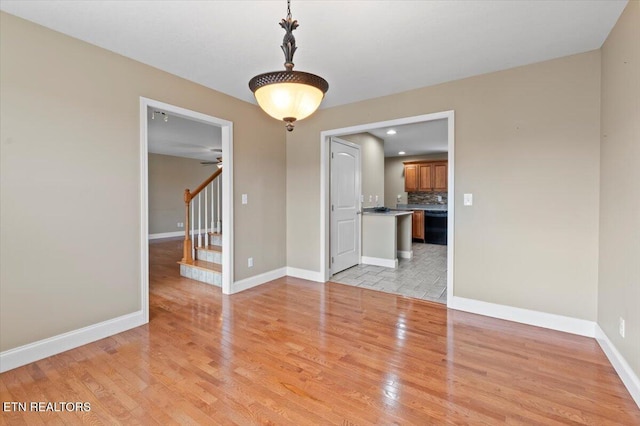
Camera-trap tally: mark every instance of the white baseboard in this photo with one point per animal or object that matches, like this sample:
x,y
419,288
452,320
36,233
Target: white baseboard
x,y
176,234
166,235
305,274
405,254
35,351
622,367
378,261
524,316
256,280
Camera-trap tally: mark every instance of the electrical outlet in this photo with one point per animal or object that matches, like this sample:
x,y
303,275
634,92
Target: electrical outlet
x,y
180,225
245,199
250,262
621,329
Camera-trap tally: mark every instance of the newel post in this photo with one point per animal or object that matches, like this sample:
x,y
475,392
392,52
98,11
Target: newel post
x,y
187,246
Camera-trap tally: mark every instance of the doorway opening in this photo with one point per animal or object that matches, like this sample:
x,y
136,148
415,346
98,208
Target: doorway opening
x,y
155,110
325,140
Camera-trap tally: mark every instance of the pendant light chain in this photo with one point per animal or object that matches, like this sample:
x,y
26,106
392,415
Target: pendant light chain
x,y
289,9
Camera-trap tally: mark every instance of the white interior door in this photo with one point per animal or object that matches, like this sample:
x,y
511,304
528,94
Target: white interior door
x,y
345,205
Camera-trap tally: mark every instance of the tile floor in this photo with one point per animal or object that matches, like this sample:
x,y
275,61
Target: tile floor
x,y
423,277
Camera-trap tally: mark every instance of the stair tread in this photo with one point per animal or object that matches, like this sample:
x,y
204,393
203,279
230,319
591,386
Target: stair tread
x,y
210,247
201,264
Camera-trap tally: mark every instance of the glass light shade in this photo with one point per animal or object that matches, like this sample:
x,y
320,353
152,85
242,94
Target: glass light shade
x,y
289,100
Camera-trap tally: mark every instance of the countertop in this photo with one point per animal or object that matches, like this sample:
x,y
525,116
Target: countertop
x,y
387,213
431,207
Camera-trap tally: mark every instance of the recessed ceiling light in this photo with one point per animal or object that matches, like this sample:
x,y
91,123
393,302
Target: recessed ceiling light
x,y
391,132
402,153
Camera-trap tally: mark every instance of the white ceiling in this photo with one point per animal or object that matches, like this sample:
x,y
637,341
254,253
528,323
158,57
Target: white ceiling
x,y
429,137
182,137
365,49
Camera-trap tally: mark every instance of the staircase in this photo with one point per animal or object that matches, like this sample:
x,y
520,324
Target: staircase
x,y
202,247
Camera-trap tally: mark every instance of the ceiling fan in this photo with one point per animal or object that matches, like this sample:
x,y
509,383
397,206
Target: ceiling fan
x,y
218,163
209,163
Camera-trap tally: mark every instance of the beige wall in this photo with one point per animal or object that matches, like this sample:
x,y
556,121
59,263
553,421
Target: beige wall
x,y
527,147
372,157
69,173
619,269
394,176
168,178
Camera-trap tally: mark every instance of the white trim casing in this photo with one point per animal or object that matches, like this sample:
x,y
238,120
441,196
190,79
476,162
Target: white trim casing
x,y
524,316
451,197
35,351
227,209
378,261
325,137
622,367
144,212
227,192
257,280
305,274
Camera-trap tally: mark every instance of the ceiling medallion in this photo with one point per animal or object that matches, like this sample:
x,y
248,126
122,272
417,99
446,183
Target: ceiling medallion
x,y
288,95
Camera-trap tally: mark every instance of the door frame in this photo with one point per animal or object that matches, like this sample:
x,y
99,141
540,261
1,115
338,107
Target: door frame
x,y
325,152
227,194
359,171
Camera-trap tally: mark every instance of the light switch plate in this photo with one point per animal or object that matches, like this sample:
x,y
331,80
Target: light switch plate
x,y
468,199
245,199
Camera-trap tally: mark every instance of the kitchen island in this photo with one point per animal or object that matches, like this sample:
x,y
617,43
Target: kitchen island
x,y
385,237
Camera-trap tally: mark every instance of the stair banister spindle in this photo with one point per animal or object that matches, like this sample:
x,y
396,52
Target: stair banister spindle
x,y
212,210
199,221
206,219
218,225
193,227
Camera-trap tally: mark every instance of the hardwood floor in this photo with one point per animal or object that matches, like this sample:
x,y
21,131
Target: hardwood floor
x,y
297,352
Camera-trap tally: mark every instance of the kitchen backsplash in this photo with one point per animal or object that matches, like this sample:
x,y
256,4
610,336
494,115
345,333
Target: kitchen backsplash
x,y
426,197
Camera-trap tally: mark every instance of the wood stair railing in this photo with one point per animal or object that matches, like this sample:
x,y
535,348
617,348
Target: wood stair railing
x,y
188,245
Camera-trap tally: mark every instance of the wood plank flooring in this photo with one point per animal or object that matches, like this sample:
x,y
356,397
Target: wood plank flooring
x,y
297,352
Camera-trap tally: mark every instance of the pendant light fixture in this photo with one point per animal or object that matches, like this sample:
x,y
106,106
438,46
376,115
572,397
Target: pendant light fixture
x,y
288,95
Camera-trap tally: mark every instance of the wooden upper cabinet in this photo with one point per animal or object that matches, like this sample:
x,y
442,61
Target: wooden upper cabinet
x,y
440,177
411,177
425,172
425,176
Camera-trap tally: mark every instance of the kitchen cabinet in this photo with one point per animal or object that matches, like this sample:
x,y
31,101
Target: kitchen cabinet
x,y
425,171
425,176
417,223
410,177
440,171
